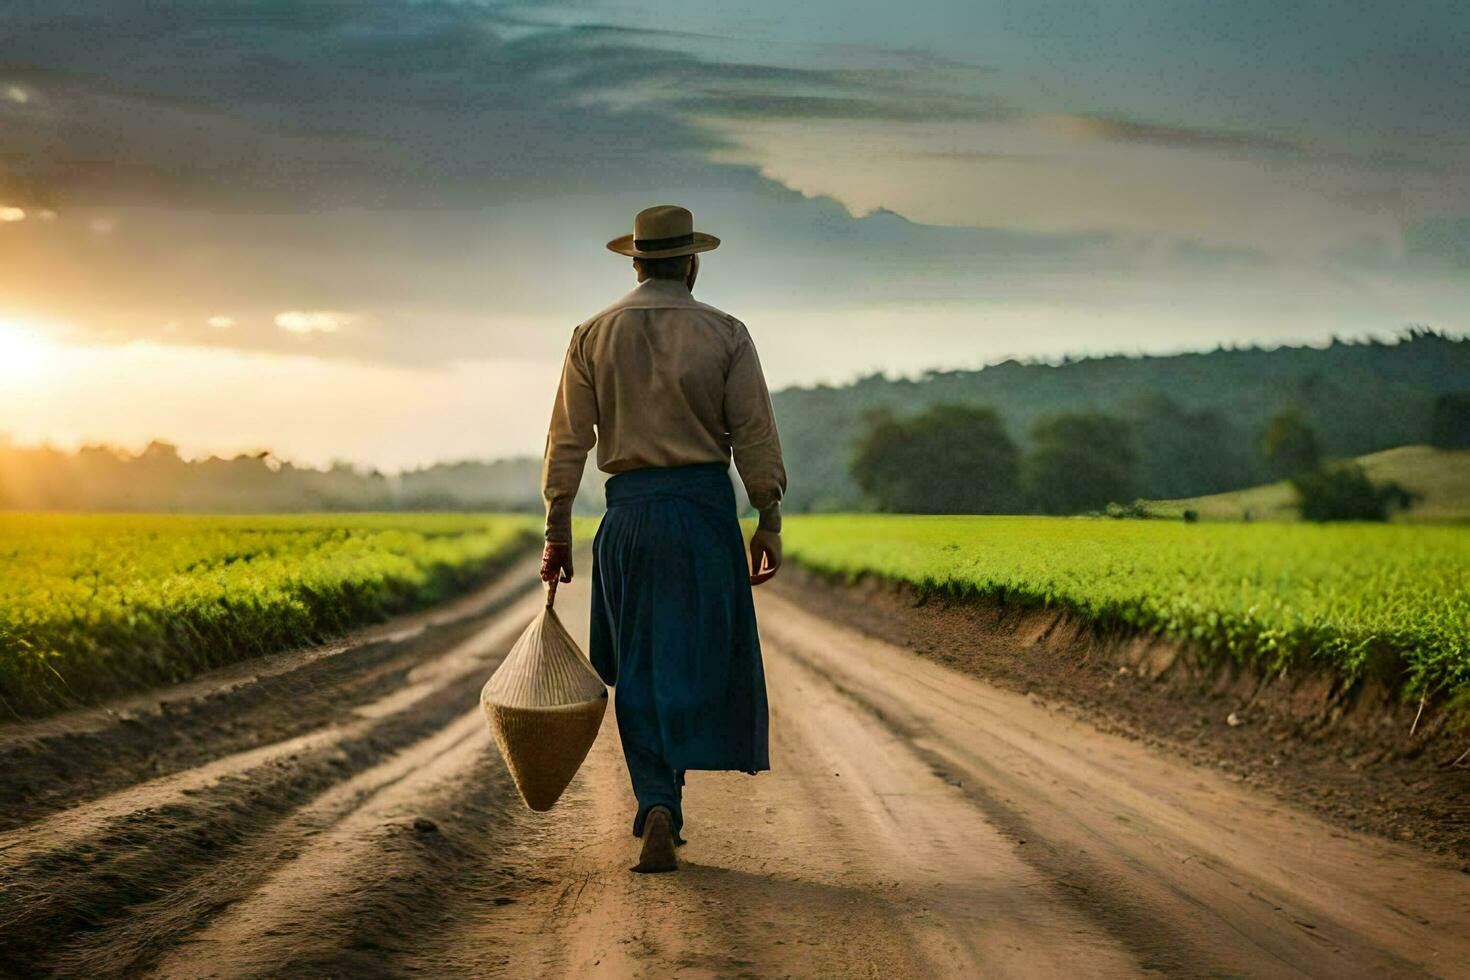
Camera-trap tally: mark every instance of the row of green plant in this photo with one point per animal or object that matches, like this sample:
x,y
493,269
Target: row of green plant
x,y
1387,600
94,605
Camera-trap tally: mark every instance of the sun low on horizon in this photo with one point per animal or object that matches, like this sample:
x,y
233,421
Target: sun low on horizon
x,y
26,355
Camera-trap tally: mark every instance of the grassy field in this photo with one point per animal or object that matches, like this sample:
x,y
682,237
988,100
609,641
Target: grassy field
x,y
1441,477
1351,597
92,605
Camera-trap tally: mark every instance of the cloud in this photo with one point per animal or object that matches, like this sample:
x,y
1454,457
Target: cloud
x,y
221,322
364,104
377,105
314,321
723,102
1181,137
1442,240
437,168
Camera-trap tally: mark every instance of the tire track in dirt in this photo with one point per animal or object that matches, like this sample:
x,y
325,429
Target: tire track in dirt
x,y
851,858
376,869
104,887
918,822
51,763
1193,872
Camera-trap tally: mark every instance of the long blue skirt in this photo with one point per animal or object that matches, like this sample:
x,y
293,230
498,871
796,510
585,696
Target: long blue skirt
x,y
673,622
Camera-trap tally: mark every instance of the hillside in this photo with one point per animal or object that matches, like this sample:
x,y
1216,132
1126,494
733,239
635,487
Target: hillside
x,y
1360,397
1441,477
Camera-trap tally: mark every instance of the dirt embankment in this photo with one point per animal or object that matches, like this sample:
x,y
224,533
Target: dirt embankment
x,y
1355,754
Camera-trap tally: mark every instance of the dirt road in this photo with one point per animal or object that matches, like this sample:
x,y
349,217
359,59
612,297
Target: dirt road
x,y
343,813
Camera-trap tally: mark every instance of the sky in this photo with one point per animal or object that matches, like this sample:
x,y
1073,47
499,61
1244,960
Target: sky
x,y
365,230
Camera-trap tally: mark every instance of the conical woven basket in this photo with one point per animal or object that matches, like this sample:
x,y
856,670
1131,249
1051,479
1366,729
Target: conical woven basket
x,y
544,704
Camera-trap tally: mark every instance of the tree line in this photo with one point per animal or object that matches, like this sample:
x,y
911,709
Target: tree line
x,y
1195,419
158,478
961,459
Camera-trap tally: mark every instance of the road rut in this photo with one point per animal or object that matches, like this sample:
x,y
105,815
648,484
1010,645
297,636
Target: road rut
x,y
917,822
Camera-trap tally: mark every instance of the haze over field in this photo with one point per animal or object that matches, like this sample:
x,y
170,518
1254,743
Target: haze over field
x,y
366,230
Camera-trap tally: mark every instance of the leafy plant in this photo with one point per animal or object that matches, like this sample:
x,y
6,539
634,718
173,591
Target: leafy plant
x,y
949,459
1078,462
91,605
1137,511
1343,492
1290,444
1346,597
1449,426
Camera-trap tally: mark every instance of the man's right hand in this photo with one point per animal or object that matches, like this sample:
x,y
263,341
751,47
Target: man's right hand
x,y
765,555
556,562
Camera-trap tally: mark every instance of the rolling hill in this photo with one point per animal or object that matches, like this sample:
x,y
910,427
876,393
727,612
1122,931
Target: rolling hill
x,y
1441,477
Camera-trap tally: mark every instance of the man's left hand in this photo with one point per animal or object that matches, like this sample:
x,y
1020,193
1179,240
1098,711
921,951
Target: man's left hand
x,y
765,555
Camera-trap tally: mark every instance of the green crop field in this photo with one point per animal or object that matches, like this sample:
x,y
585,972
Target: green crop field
x,y
92,605
1350,596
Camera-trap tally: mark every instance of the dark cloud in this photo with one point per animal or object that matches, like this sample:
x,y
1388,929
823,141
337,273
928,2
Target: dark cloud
x,y
372,104
1185,137
717,102
238,104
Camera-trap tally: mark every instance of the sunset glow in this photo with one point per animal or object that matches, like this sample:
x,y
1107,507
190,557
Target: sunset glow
x,y
24,354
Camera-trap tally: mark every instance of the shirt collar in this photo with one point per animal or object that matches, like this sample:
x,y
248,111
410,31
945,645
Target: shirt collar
x,y
664,287
656,293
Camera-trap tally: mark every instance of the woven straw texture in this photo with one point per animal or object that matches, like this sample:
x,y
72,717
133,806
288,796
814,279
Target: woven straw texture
x,y
544,747
544,705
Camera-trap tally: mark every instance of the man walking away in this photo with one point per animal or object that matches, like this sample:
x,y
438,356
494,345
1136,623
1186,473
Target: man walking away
x,y
669,390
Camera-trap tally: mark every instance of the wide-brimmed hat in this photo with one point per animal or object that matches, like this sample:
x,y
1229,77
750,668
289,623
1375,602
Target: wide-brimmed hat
x,y
662,232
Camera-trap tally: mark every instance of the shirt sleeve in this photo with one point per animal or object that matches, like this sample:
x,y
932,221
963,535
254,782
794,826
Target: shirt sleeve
x,y
571,436
753,438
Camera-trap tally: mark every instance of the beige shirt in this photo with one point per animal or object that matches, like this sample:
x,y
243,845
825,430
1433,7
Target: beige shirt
x,y
661,379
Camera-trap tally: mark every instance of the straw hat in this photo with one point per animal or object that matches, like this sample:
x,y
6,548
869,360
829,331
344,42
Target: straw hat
x,y
661,232
544,705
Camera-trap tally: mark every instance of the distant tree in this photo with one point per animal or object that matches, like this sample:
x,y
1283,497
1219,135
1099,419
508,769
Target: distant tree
x,y
950,459
104,478
1359,398
1079,461
1183,452
1137,511
1343,492
1289,444
1449,426
159,452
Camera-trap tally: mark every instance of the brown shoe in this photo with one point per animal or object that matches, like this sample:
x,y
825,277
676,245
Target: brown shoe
x,y
658,843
